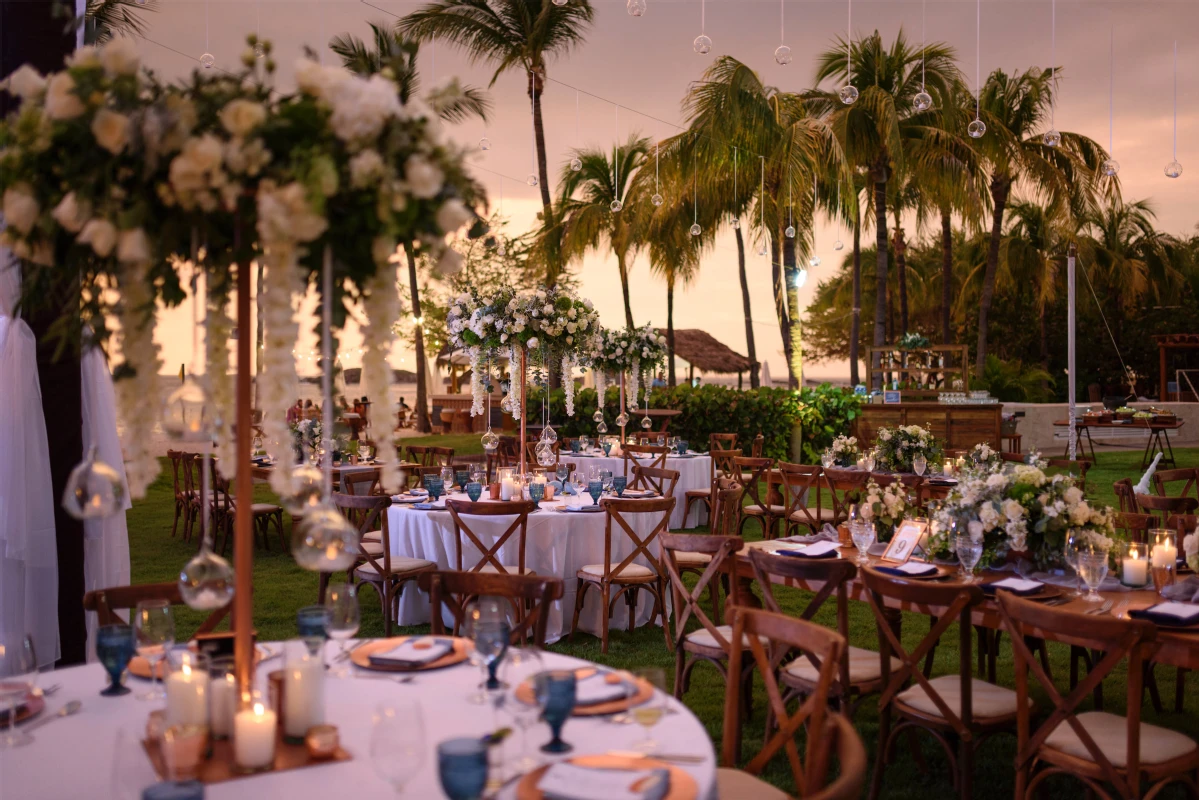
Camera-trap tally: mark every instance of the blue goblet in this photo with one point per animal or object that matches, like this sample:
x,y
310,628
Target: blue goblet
x,y
474,490
461,477
491,640
681,446
555,692
576,446
462,768
607,447
595,489
619,482
115,645
436,488
536,491
312,623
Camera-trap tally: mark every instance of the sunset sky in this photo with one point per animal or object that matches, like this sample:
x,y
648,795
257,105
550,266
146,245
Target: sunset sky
x,y
645,64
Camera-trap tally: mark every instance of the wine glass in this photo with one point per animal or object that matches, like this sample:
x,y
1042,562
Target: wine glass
x,y
919,463
447,476
523,663
969,552
1072,550
648,713
555,692
870,461
562,472
18,677
398,742
854,514
606,479
341,600
862,534
154,623
477,473
485,623
1092,565
312,625
826,458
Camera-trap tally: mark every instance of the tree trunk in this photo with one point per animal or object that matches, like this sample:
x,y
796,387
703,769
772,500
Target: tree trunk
x,y
855,325
422,395
1000,187
751,351
901,276
880,261
780,293
794,348
624,288
946,274
552,256
669,333
260,334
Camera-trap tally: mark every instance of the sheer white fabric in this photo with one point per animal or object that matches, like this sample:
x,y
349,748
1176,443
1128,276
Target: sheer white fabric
x,y
28,550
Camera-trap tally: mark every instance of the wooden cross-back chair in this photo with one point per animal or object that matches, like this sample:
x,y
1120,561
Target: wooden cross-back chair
x,y
1164,507
801,486
1098,748
361,482
181,501
631,450
429,456
720,466
757,446
1183,524
107,602
662,481
376,566
416,475
533,594
769,636
722,521
267,514
627,576
722,441
489,555
1125,495
1134,527
1065,466
1189,478
753,473
844,485
956,708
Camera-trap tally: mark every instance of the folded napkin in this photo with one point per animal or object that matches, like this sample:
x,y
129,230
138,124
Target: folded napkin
x,y
430,506
1186,591
1168,614
943,481
584,509
910,569
1019,586
816,550
826,534
415,652
567,781
637,494
407,498
595,689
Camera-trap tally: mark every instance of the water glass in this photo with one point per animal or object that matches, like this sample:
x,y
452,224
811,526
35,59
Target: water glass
x,y
461,477
536,491
969,552
154,624
398,742
606,478
1074,547
870,461
648,713
607,446
477,473
312,625
575,446
436,488
462,767
827,459
555,693
522,664
474,490
1092,566
619,482
595,489
681,446
345,617
862,533
115,645
18,677
447,476
919,463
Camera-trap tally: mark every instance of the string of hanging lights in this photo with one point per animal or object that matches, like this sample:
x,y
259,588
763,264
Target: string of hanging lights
x,y
1110,166
1052,137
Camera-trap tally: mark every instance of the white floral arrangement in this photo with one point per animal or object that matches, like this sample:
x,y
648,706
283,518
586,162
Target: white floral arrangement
x,y
1190,546
636,351
885,506
985,458
896,447
844,451
1023,511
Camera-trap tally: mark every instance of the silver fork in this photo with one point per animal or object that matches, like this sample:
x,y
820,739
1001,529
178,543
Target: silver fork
x,y
1103,609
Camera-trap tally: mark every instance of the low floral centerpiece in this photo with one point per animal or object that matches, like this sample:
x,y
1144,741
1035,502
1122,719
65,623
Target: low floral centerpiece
x,y
844,451
985,458
896,447
885,506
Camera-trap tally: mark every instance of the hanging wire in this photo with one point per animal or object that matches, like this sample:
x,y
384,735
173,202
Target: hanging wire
x,y
656,167
762,198
576,119
923,43
694,194
702,15
1111,85
1053,62
782,20
849,45
813,213
978,16
1175,99
616,156
735,149
790,220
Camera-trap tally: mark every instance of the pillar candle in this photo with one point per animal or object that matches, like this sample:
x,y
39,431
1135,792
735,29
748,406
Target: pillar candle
x,y
303,697
1164,555
222,704
507,489
254,737
1136,571
187,697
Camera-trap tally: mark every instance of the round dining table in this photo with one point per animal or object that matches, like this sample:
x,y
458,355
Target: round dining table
x,y
695,472
98,751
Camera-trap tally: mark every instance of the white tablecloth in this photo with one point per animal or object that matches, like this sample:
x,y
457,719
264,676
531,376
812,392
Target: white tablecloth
x,y
74,757
558,544
695,472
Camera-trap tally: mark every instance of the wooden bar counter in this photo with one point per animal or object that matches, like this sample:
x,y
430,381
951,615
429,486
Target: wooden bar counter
x,y
960,427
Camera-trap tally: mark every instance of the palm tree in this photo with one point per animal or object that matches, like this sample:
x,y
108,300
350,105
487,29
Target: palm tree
x,y
511,34
877,130
1014,108
674,254
585,207
1032,254
392,50
104,19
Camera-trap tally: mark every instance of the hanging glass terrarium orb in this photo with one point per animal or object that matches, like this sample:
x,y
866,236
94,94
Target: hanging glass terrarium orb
x,y
923,101
187,413
646,423
695,229
1052,138
259,50
307,488
814,262
325,541
702,45
848,94
532,179
789,232
484,143
838,245
94,489
561,2
616,206
576,164
976,129
657,199
622,419
207,60
601,428
506,404
490,440
546,456
598,416
782,55
636,8
762,249
206,582
736,223
549,435
1110,167
1173,169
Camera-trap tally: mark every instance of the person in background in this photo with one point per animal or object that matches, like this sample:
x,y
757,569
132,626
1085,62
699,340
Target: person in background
x,y
342,404
295,412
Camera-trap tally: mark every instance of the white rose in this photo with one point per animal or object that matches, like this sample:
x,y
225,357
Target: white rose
x,y
111,129
532,343
1012,509
20,209
996,481
450,262
365,168
362,107
319,81
101,235
133,246
86,56
119,57
25,82
975,529
452,215
241,116
988,516
68,214
1073,495
1080,514
61,100
424,179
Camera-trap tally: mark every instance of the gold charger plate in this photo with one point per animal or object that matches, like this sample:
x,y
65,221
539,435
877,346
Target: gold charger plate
x,y
645,690
139,666
360,656
682,785
30,707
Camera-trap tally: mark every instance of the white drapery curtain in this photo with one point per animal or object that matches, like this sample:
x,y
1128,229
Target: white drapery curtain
x,y
28,549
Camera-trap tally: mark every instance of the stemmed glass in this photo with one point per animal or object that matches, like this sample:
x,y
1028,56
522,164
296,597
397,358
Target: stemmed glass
x,y
536,492
398,742
870,461
826,458
1071,553
312,625
555,692
447,476
862,533
18,677
485,623
341,599
1092,565
648,713
562,472
477,473
523,664
114,649
154,623
436,488
969,552
919,463
606,479
595,489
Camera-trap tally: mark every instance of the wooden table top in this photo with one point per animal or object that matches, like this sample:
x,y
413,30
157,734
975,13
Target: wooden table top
x,y
1132,423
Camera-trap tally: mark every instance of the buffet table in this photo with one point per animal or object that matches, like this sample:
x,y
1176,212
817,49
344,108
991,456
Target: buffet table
x,y
1157,441
98,752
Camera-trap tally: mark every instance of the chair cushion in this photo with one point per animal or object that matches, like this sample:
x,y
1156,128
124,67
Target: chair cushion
x,y
511,569
630,571
864,666
988,699
373,536
689,559
755,510
399,566
704,638
825,515
371,548
1110,732
704,493
265,508
733,784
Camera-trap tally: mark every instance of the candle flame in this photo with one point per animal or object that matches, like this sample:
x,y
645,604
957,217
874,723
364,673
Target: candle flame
x,y
259,710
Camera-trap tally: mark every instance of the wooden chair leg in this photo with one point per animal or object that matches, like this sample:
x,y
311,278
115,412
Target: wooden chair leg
x,y
1150,674
880,755
630,598
605,618
965,768
580,593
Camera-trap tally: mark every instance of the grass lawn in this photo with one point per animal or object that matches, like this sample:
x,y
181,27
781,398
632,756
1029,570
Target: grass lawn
x,y
281,588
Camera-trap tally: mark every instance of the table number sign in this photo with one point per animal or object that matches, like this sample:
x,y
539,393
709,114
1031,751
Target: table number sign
x,y
909,537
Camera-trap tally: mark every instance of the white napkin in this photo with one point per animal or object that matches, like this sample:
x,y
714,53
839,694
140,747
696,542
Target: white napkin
x,y
566,781
1186,591
408,654
914,568
1018,584
826,534
637,493
1183,611
595,689
816,549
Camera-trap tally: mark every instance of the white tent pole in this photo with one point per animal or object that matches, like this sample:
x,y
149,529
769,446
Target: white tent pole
x,y
1071,256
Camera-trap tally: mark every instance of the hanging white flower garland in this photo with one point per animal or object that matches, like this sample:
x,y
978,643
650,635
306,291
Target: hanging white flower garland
x,y
219,329
513,380
632,389
141,354
279,385
601,386
568,383
381,305
477,389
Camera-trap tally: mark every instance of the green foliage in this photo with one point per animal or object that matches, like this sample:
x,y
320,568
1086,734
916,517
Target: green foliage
x,y
826,413
1013,382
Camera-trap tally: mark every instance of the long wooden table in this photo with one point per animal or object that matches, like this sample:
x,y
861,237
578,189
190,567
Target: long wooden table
x,y
1179,648
1158,441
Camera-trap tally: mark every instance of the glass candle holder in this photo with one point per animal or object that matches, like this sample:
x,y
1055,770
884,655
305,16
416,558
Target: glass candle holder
x,y
254,732
183,749
1163,557
303,694
1134,565
222,697
187,687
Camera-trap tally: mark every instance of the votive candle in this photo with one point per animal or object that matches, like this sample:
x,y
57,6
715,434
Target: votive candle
x,y
187,693
303,697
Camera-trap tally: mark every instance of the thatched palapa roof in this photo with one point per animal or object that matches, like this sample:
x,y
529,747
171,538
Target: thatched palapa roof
x,y
705,352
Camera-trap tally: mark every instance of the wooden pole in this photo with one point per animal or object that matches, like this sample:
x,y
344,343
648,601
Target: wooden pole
x,y
621,410
243,527
523,406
